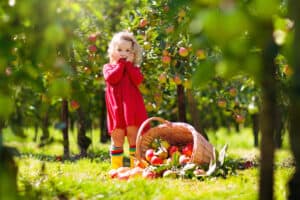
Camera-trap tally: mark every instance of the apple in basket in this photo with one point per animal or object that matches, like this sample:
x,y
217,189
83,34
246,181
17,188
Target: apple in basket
x,y
149,154
183,159
155,160
162,153
172,150
187,149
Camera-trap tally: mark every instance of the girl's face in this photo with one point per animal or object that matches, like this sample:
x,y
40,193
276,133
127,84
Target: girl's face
x,y
123,50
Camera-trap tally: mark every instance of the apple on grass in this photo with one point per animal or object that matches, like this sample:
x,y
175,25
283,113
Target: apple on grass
x,y
149,174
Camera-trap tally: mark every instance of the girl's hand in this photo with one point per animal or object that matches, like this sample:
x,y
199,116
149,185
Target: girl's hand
x,y
130,57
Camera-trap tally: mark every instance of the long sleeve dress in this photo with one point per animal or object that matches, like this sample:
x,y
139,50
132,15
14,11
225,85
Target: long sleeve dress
x,y
124,102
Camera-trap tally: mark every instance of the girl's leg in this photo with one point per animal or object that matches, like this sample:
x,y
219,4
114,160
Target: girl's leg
x,y
116,149
131,136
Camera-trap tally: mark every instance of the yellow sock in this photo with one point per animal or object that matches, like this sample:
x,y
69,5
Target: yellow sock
x,y
116,155
116,162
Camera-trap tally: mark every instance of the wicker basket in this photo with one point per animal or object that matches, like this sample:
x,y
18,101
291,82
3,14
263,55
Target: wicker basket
x,y
176,133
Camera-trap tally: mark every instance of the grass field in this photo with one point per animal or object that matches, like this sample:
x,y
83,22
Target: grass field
x,y
43,176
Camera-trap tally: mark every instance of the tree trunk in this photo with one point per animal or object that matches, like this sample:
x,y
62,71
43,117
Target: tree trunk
x,y
82,140
181,103
45,130
103,127
255,128
195,113
294,184
64,119
268,112
278,127
8,171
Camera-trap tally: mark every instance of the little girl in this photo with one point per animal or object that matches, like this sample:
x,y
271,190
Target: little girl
x,y
125,105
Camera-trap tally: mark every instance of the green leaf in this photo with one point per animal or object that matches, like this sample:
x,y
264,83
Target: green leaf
x,y
7,106
204,72
60,88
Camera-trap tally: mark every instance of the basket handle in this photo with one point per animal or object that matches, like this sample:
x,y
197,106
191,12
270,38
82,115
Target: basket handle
x,y
141,129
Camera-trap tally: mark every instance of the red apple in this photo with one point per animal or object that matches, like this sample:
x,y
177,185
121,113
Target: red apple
x,y
199,172
172,150
155,160
8,71
166,59
136,172
74,104
149,154
200,54
113,173
149,174
183,51
183,159
187,150
232,92
92,48
124,175
162,78
92,37
177,80
143,23
239,119
222,103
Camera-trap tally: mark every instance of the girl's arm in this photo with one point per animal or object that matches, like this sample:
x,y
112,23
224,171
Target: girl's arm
x,y
135,73
113,73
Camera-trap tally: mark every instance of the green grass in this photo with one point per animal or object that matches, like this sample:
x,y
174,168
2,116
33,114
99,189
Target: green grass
x,y
42,177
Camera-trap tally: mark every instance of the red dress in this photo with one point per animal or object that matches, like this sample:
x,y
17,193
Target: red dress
x,y
124,102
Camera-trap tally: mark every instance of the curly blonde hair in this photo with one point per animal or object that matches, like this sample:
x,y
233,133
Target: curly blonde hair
x,y
128,36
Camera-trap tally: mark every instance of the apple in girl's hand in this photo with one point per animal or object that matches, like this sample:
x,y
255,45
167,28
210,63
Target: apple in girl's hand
x,y
183,159
172,150
187,150
155,160
149,154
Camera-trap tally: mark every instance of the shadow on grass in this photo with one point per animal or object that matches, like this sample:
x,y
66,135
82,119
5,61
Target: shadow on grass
x,y
99,156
